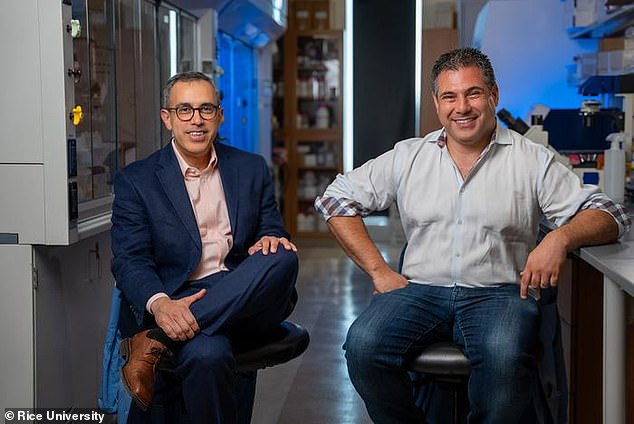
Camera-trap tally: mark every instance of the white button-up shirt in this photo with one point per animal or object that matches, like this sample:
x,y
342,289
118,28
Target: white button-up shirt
x,y
474,232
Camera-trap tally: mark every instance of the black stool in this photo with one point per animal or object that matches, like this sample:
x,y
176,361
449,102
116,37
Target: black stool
x,y
280,345
274,347
445,364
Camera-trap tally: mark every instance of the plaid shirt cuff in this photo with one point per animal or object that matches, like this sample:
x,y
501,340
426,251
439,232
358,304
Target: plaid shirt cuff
x,y
618,211
331,206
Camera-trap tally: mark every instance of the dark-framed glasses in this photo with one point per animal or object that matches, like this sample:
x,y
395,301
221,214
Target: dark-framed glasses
x,y
208,111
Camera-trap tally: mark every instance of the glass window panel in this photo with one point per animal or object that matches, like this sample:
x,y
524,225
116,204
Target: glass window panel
x,y
127,44
138,83
149,83
126,52
186,43
95,93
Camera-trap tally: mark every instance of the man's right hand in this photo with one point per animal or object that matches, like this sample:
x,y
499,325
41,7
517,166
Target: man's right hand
x,y
388,281
175,318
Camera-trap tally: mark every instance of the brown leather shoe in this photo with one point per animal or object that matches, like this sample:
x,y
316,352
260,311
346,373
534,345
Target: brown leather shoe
x,y
142,356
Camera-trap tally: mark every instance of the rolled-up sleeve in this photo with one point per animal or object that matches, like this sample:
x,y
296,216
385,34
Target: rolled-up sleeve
x,y
328,207
602,202
361,191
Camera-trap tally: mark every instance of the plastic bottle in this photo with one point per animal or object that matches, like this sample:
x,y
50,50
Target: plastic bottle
x,y
314,86
614,169
322,87
322,117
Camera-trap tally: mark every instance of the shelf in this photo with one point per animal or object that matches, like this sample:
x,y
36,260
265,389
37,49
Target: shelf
x,y
609,25
612,84
316,134
312,76
318,99
318,168
318,33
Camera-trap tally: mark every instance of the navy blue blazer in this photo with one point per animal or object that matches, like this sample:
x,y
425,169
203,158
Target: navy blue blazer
x,y
155,239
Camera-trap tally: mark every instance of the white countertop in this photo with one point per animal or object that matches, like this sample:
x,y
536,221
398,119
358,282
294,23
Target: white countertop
x,y
615,261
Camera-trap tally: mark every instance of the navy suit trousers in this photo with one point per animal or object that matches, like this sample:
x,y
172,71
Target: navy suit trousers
x,y
247,300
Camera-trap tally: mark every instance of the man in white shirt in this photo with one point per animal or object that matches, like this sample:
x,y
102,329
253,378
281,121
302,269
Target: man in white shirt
x,y
470,197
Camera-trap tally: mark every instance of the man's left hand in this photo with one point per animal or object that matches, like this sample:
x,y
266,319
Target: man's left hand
x,y
270,244
544,264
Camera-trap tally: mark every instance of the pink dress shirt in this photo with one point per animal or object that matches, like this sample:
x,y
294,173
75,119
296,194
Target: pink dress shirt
x,y
207,197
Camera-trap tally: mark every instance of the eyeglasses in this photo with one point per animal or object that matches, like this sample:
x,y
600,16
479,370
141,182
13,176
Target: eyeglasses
x,y
185,112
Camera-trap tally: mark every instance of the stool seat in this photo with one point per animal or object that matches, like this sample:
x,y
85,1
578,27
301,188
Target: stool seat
x,y
285,342
275,346
446,365
442,360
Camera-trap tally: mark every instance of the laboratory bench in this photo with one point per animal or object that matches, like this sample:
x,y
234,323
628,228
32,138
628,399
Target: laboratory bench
x,y
596,305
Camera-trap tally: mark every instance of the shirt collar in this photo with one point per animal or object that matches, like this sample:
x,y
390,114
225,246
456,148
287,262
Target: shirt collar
x,y
184,166
499,136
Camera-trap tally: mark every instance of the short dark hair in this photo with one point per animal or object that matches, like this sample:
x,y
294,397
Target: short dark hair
x,y
462,58
186,77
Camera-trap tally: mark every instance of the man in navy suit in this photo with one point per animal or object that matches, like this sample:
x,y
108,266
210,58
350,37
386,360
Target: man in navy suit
x,y
200,254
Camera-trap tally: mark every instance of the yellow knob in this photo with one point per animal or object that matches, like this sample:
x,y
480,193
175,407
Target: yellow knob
x,y
77,115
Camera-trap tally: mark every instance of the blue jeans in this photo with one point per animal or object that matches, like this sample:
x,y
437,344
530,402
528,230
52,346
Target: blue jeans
x,y
497,330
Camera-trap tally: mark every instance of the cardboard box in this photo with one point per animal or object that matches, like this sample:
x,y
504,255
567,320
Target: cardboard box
x,y
611,43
